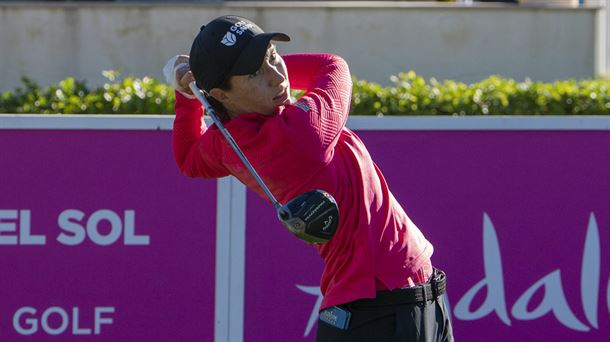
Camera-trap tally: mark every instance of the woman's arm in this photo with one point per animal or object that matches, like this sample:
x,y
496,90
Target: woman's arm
x,y
195,149
316,120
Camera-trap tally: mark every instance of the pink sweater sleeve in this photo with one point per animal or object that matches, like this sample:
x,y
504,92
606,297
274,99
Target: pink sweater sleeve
x,y
316,120
193,143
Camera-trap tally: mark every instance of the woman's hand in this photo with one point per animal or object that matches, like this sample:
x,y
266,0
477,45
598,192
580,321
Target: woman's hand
x,y
178,74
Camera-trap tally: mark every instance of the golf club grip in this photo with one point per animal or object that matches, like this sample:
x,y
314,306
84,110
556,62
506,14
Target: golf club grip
x,y
212,113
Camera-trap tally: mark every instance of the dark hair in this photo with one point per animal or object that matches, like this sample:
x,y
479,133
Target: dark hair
x,y
221,111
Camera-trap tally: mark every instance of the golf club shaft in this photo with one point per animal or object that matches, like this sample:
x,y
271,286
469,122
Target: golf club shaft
x,y
212,113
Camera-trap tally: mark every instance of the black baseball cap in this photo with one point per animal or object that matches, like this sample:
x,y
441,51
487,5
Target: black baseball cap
x,y
228,46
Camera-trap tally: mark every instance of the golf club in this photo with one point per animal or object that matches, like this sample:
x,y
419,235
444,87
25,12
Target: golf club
x,y
313,216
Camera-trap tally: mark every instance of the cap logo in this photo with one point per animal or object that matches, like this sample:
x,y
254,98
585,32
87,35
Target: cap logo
x,y
240,27
229,39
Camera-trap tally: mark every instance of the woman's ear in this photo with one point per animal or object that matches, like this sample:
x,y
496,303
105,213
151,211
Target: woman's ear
x,y
219,94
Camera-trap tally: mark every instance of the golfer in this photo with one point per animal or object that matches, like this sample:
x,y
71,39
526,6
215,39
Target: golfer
x,y
378,281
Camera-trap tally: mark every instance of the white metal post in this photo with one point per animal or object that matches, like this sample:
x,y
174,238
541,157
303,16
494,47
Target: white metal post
x,y
230,260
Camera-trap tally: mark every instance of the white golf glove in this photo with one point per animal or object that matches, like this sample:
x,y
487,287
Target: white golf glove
x,y
170,71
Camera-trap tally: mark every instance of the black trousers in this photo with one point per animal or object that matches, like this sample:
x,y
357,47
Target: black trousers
x,y
420,321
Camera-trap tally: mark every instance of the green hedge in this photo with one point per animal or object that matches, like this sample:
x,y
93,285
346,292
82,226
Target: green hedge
x,y
412,95
409,94
117,96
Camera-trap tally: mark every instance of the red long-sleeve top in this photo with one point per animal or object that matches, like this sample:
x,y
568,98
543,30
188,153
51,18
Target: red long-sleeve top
x,y
306,146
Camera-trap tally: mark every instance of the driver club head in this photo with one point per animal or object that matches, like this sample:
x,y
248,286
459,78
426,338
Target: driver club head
x,y
312,216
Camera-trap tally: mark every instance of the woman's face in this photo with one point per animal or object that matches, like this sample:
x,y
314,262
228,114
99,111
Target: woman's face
x,y
260,92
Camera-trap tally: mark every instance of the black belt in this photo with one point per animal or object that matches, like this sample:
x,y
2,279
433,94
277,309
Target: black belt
x,y
410,295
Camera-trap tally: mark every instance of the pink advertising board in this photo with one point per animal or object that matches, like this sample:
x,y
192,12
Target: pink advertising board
x,y
520,221
102,239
